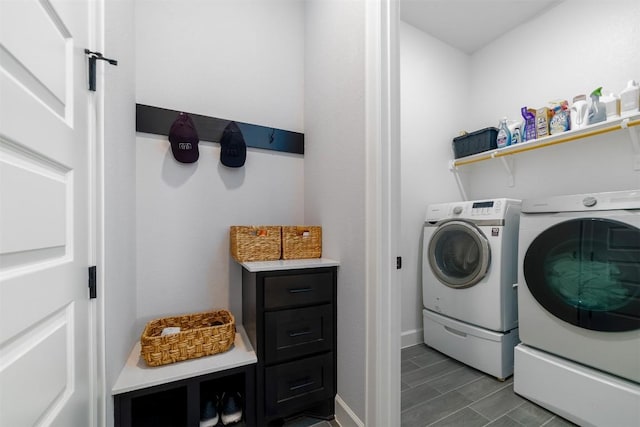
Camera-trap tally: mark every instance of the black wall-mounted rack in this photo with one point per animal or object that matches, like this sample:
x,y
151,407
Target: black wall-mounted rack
x,y
158,121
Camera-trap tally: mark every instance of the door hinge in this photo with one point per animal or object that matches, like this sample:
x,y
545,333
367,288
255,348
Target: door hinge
x,y
93,57
92,282
398,263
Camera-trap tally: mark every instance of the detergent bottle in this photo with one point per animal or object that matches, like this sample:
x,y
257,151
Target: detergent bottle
x,y
504,135
597,112
528,131
630,98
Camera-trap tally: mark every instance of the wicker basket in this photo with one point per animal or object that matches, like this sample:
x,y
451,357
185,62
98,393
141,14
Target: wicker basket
x,y
299,242
201,334
255,243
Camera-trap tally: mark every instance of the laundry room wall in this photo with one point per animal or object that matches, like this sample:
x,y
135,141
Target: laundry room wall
x,y
239,60
433,89
596,44
571,49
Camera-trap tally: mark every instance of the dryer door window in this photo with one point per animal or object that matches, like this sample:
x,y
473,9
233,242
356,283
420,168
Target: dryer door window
x,y
459,254
587,273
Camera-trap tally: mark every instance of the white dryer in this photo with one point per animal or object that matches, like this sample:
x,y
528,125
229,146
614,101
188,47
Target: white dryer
x,y
579,306
469,271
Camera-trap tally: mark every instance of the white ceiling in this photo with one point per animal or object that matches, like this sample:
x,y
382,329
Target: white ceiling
x,y
470,25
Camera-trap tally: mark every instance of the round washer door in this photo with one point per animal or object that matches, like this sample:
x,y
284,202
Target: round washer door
x,y
459,254
587,272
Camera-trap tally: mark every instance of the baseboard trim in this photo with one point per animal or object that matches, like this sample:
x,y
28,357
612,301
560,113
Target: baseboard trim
x,y
345,416
411,338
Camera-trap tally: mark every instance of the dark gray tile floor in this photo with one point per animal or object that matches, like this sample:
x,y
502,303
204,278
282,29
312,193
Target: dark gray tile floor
x,y
440,391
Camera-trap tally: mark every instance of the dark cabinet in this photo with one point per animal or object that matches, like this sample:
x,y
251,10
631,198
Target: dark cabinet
x,y
290,319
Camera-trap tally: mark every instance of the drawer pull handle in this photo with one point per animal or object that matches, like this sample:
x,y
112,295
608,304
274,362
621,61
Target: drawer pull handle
x,y
299,333
300,290
455,331
297,387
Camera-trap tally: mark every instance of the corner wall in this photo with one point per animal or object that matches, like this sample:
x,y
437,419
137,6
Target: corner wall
x,y
238,60
335,171
118,267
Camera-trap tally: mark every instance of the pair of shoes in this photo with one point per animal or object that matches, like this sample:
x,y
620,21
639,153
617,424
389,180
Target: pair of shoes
x,y
227,409
209,416
231,408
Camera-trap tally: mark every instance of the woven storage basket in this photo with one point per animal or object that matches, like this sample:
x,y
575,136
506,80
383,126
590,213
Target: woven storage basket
x,y
255,243
299,242
201,334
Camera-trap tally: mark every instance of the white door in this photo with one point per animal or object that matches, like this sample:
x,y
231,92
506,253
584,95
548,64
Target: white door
x,y
44,214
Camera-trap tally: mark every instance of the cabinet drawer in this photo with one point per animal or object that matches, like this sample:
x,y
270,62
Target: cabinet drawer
x,y
298,289
294,385
298,332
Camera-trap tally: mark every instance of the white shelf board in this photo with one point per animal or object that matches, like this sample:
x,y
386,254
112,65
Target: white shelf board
x,y
570,135
137,375
288,264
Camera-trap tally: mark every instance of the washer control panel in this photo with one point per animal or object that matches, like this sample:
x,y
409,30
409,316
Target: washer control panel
x,y
479,209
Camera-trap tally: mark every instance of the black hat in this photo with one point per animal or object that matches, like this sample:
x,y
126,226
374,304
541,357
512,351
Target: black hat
x,y
184,139
233,150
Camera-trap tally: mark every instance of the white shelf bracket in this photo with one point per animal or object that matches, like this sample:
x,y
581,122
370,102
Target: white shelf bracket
x,y
508,166
635,144
454,170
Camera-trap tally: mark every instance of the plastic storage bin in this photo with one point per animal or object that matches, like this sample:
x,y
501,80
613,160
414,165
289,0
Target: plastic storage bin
x,y
475,142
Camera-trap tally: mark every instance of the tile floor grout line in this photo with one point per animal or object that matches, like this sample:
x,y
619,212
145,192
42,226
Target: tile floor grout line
x,y
511,418
462,385
458,410
549,420
433,364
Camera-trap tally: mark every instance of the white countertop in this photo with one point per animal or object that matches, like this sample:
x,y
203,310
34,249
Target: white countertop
x,y
137,375
288,264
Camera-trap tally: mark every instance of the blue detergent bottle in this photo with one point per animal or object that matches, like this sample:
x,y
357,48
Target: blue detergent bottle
x,y
504,135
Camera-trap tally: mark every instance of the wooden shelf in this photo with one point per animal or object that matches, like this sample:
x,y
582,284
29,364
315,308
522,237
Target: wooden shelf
x,y
572,135
619,124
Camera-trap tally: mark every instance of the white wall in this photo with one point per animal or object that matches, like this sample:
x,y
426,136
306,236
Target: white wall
x,y
607,56
572,49
434,80
118,267
239,60
335,171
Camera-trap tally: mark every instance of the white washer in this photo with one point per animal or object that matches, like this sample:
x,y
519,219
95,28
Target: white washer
x,y
579,302
468,274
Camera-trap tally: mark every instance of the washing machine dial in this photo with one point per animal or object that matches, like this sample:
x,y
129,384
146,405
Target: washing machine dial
x,y
457,210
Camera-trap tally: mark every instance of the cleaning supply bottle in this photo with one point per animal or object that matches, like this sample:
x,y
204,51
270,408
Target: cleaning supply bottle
x,y
528,131
515,129
611,105
504,135
630,98
560,120
597,111
579,112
